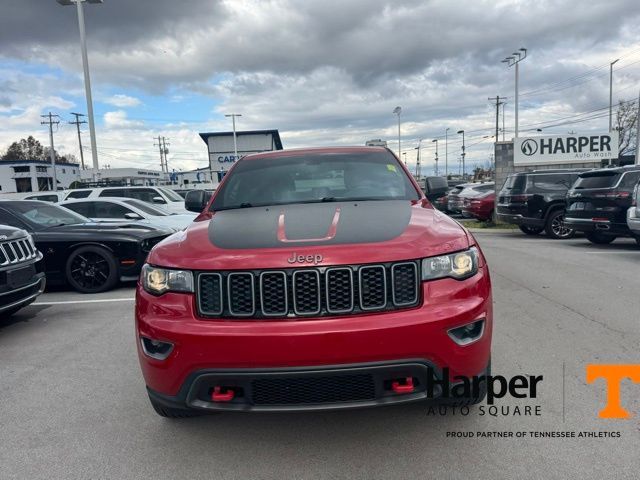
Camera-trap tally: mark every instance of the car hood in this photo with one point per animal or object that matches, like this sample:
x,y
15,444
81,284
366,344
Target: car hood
x,y
107,229
340,233
11,233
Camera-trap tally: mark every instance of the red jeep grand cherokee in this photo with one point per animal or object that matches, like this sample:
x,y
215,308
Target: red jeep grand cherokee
x,y
313,279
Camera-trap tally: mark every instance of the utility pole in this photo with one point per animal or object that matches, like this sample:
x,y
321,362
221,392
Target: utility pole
x,y
235,140
165,150
160,150
52,152
463,152
497,103
435,140
77,124
418,172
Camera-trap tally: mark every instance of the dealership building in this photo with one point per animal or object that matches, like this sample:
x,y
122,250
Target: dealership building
x,y
35,175
542,152
221,149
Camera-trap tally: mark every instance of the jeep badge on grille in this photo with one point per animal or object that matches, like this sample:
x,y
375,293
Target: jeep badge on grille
x,y
315,259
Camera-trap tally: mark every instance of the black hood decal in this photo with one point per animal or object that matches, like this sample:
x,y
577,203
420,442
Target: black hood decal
x,y
309,224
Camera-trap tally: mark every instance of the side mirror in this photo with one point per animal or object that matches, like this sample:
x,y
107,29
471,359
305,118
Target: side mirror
x,y
196,201
132,216
158,200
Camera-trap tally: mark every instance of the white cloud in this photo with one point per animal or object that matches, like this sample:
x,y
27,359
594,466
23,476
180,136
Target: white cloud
x,y
117,120
123,101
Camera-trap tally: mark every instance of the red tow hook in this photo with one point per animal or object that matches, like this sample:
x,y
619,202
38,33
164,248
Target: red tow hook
x,y
406,387
219,396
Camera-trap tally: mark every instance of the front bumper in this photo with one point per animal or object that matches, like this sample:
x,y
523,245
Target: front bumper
x,y
18,297
232,346
333,387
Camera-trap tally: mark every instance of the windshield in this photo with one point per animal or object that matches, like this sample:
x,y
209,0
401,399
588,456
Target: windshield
x,y
146,208
599,180
46,215
171,195
315,177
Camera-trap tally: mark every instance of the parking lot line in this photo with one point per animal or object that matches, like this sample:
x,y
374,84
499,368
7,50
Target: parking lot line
x,y
67,302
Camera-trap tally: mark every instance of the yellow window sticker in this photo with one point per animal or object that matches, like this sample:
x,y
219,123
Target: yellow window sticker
x,y
391,168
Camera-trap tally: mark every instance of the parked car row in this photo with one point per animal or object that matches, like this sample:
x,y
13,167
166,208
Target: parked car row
x,y
90,240
600,203
45,244
161,196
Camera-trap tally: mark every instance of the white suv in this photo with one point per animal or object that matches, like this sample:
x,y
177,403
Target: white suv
x,y
160,196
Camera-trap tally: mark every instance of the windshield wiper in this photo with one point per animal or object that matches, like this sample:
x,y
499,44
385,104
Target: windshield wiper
x,y
242,205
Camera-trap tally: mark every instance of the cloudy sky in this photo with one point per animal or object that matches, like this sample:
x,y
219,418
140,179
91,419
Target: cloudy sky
x,y
326,72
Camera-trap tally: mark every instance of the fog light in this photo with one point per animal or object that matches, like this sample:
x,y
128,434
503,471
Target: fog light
x,y
468,333
155,348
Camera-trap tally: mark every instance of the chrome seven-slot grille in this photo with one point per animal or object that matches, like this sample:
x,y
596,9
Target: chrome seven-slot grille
x,y
16,251
303,292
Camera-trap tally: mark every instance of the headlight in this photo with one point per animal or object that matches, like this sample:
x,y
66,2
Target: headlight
x,y
160,280
458,265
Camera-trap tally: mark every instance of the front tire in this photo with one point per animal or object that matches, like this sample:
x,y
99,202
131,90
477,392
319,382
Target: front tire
x,y
599,238
530,230
555,227
92,269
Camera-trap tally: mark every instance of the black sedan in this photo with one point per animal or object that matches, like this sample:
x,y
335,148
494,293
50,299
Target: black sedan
x,y
91,257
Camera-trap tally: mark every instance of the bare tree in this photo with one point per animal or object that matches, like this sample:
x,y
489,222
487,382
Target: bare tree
x,y
626,121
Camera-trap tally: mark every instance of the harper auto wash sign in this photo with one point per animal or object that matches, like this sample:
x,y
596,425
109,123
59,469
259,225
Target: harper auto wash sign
x,y
554,149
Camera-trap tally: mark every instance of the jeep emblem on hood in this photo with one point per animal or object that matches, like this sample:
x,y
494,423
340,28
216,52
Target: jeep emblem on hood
x,y
315,259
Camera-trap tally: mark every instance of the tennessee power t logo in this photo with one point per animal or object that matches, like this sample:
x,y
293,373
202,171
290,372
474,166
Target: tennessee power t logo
x,y
613,375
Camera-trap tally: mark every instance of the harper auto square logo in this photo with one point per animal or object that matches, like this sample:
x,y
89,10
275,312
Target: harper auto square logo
x,y
529,147
613,376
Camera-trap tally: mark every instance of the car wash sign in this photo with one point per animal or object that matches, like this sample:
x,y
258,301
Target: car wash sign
x,y
553,149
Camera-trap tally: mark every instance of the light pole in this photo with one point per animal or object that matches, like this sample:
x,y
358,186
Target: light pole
x,y
87,79
235,141
515,59
398,111
404,156
446,153
611,92
418,159
463,152
435,140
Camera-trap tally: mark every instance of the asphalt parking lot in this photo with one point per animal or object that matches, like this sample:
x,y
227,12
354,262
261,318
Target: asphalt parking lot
x,y
74,404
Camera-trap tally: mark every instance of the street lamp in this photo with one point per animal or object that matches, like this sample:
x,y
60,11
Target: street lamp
x,y
398,111
611,92
87,80
463,152
235,142
404,156
514,59
435,140
446,153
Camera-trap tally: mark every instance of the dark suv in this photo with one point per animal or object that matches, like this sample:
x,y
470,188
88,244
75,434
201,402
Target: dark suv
x,y
535,201
21,270
597,203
